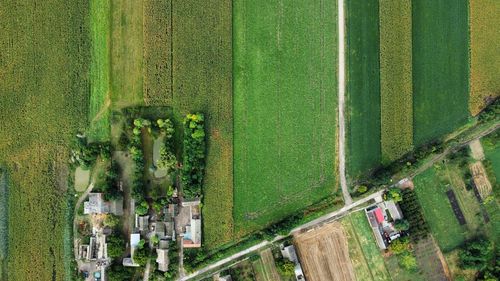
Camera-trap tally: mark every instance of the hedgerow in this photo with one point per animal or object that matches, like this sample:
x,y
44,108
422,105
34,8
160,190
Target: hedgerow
x,y
193,165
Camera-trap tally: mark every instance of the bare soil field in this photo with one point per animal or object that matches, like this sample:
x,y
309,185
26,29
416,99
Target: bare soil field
x,y
476,149
324,254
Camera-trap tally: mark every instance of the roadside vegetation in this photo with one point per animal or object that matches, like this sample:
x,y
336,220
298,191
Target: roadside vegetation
x,y
4,223
396,112
363,87
484,60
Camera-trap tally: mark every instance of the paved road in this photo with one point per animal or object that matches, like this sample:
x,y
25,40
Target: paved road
x,y
341,93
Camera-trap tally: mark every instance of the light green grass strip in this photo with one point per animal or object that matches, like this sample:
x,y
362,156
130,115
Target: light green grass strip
x,y
395,78
99,70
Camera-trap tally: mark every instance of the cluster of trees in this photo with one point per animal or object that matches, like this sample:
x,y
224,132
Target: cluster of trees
x,y
286,267
193,155
85,153
402,248
111,187
413,212
167,160
173,261
480,254
395,194
135,151
491,112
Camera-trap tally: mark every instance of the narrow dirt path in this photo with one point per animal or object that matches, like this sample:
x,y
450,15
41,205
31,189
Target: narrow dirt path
x,y
341,94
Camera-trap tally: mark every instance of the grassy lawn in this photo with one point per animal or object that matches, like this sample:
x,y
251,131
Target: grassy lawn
x,y
484,46
100,22
440,67
395,78
284,108
363,86
491,147
366,256
431,192
44,102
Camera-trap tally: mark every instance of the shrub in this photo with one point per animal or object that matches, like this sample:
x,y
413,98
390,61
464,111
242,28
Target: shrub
x,y
408,261
476,254
394,194
286,267
116,246
402,225
400,246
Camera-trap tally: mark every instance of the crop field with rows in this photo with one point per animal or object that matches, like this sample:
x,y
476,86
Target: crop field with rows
x,y
440,67
396,97
484,46
363,86
99,70
44,69
284,108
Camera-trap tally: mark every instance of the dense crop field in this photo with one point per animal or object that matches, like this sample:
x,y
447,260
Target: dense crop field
x,y
396,111
440,67
202,80
157,32
431,192
363,86
44,101
99,70
484,59
4,223
126,53
284,108
363,250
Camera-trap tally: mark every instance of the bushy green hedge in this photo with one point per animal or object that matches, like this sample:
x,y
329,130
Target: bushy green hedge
x,y
193,155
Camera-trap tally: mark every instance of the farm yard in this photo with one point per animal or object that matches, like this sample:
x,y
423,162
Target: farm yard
x,y
440,72
284,108
363,86
364,253
484,46
324,254
44,92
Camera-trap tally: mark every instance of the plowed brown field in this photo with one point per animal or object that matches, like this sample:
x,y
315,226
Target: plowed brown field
x,y
324,254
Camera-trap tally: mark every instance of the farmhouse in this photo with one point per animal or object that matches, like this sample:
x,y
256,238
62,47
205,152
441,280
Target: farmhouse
x,y
95,204
192,235
134,242
381,218
290,254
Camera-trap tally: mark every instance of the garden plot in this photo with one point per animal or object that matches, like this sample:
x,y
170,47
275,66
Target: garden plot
x,y
82,178
481,180
324,254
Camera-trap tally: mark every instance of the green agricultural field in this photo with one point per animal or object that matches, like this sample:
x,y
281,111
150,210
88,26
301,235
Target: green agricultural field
x,y
202,81
491,147
395,78
431,192
363,86
157,35
100,22
4,223
440,67
44,93
284,108
363,250
126,53
484,59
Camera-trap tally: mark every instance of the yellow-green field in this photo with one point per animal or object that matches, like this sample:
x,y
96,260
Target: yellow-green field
x,y
484,59
396,97
44,70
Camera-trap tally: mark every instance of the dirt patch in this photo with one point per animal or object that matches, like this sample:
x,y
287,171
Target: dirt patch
x,y
431,260
456,207
481,180
324,254
476,149
82,178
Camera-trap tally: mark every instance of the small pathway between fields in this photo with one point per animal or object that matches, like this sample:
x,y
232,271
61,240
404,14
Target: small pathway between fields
x,y
341,94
